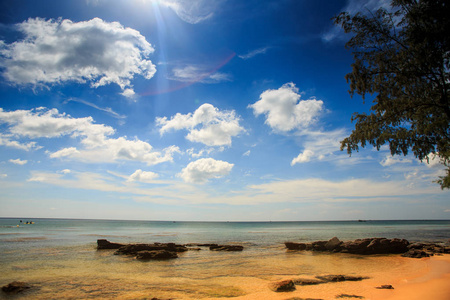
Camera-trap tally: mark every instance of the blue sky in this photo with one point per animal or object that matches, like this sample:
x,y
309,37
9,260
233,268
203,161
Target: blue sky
x,y
191,110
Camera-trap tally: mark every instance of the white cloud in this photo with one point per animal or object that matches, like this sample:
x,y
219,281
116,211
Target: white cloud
x,y
391,160
206,125
320,145
3,175
200,171
66,171
18,161
142,176
247,153
283,110
95,51
96,145
305,156
38,123
192,11
104,109
198,74
5,140
253,53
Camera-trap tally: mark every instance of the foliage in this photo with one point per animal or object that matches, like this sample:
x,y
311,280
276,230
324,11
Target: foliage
x,y
401,56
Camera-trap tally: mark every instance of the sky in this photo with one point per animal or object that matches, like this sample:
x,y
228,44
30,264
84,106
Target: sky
x,y
194,110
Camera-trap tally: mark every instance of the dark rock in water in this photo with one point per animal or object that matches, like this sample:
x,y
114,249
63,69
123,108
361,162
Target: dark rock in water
x,y
201,245
15,287
156,255
333,244
133,249
295,246
339,278
319,246
105,244
282,286
414,253
349,296
385,287
297,298
226,248
307,281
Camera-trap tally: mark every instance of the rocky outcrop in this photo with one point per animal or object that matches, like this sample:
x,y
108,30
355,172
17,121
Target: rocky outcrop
x,y
133,249
226,248
385,287
359,246
282,286
15,287
105,244
156,255
339,278
321,279
416,253
295,246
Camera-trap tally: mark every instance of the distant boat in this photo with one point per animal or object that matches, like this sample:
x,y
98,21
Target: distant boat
x,y
362,221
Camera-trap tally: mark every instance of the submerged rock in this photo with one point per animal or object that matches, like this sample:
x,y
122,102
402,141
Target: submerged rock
x,y
307,281
105,244
415,253
295,246
156,255
133,249
282,286
338,278
16,287
349,296
226,248
359,246
385,287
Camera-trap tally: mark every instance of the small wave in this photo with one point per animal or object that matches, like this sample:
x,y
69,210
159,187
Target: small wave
x,y
26,239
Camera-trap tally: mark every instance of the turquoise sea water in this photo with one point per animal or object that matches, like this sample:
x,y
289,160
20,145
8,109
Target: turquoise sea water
x,y
59,257
54,232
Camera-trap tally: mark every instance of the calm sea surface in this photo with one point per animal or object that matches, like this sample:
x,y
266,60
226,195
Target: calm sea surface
x,y
59,256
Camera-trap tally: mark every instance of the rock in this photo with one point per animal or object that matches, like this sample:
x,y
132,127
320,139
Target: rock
x,y
332,244
200,245
133,249
282,286
338,278
414,253
226,248
385,287
349,296
295,246
156,255
297,298
307,281
16,287
319,246
105,244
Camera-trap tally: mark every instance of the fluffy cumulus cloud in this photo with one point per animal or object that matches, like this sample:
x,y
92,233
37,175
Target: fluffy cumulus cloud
x,y
142,176
285,111
305,156
18,161
95,51
96,143
204,169
320,145
207,125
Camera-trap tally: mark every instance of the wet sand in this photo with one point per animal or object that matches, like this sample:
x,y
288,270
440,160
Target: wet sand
x,y
68,273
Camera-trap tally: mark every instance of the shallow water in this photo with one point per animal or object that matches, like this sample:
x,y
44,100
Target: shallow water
x,y
59,257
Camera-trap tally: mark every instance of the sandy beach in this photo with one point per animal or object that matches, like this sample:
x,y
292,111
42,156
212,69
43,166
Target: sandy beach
x,y
412,279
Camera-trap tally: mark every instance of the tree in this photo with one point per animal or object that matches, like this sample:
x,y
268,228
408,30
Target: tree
x,y
401,57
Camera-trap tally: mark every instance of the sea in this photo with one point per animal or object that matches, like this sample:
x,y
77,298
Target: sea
x,y
58,257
